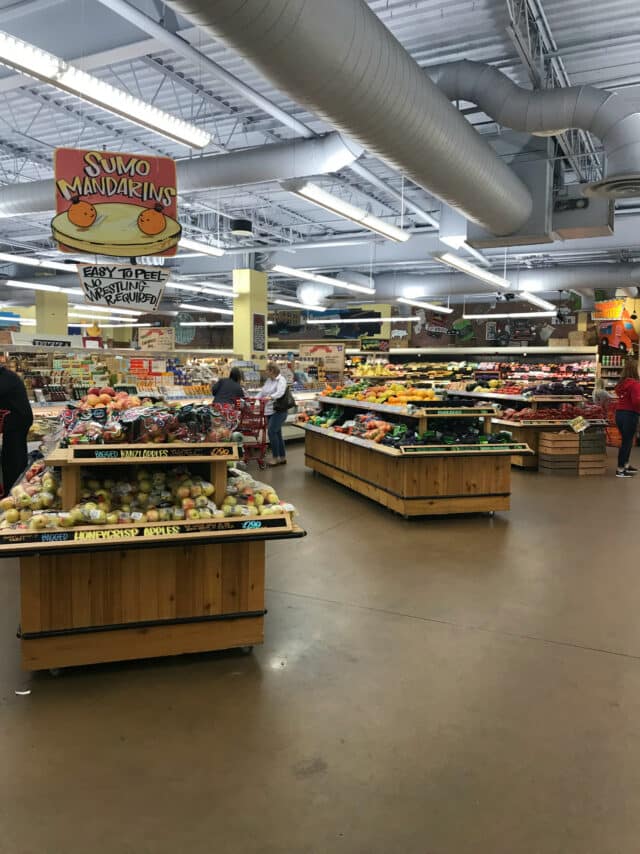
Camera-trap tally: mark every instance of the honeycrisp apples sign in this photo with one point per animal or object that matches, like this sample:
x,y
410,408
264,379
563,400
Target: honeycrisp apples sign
x,y
123,286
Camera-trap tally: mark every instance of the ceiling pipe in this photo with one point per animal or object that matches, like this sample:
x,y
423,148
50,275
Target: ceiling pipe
x,y
183,48
298,158
338,59
545,112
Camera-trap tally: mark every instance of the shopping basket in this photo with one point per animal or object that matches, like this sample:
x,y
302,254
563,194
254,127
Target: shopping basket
x,y
253,426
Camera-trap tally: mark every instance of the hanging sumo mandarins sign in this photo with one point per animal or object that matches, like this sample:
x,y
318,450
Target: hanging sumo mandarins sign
x,y
123,205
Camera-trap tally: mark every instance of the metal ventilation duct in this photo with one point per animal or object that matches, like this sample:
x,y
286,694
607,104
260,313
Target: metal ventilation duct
x,y
580,277
606,115
280,161
338,59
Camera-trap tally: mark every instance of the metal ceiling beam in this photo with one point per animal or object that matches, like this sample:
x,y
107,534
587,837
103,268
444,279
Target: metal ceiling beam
x,y
530,32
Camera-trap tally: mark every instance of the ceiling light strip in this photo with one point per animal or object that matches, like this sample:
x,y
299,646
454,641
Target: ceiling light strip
x,y
36,286
429,306
299,305
464,266
317,196
51,69
515,314
323,280
201,248
206,308
35,262
340,320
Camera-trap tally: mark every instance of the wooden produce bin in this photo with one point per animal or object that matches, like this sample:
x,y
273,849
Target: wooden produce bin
x,y
97,593
528,433
423,482
572,453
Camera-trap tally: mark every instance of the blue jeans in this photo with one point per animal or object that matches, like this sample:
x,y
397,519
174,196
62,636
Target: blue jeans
x,y
274,430
627,424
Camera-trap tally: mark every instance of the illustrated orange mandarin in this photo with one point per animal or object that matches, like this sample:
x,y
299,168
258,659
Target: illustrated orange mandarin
x,y
83,214
152,220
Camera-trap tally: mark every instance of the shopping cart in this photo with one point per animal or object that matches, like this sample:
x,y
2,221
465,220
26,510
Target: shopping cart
x,y
3,415
253,426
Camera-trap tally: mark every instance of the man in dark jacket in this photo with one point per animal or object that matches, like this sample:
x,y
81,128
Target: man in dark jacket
x,y
13,398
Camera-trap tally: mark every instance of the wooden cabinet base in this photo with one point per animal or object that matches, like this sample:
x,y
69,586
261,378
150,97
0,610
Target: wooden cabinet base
x,y
414,486
126,644
90,607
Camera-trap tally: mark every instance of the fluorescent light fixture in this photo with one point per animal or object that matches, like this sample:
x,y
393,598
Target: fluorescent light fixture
x,y
35,262
110,318
109,325
299,305
23,321
208,323
200,248
202,289
504,315
312,193
44,66
538,301
430,306
205,308
323,280
98,309
36,286
340,320
470,269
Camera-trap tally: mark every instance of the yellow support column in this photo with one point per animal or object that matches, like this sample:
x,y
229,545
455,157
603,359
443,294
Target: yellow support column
x,y
250,314
51,313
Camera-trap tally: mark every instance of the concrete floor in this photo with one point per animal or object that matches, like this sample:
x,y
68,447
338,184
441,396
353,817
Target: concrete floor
x,y
458,686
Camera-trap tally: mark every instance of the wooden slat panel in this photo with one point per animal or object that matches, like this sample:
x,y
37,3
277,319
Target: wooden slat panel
x,y
210,559
127,644
30,595
256,579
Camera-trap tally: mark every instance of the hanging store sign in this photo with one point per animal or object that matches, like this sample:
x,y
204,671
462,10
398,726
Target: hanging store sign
x,y
331,355
379,344
109,203
120,285
259,333
157,338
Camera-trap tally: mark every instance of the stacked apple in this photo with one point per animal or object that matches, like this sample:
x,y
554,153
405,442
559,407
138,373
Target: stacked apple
x,y
111,400
150,495
32,503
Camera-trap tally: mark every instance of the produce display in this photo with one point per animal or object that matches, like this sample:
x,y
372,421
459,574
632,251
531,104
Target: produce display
x,y
393,394
133,495
370,427
560,413
568,388
153,423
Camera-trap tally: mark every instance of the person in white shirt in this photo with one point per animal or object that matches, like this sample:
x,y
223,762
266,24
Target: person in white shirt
x,y
275,388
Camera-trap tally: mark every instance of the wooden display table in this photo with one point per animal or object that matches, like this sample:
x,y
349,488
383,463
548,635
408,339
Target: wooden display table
x,y
109,593
418,481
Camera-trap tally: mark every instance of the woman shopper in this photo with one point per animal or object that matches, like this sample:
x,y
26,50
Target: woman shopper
x,y
228,391
627,415
275,392
13,398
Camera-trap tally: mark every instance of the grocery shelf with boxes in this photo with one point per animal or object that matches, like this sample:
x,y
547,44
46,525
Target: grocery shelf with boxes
x,y
410,450
86,521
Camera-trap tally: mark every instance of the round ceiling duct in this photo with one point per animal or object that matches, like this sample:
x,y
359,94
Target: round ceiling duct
x,y
616,187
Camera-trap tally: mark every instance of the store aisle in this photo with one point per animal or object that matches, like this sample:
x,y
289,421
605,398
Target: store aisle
x,y
458,686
